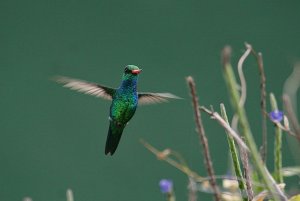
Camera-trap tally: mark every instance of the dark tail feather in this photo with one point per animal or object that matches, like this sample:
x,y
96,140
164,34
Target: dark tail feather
x,y
113,137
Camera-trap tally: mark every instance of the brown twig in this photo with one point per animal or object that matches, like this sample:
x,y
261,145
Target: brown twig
x,y
226,126
284,128
164,155
247,176
263,103
203,139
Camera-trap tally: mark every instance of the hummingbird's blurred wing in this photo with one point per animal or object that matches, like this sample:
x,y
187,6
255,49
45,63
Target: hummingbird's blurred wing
x,y
149,98
86,87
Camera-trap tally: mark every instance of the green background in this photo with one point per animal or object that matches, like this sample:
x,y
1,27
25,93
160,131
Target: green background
x,y
52,138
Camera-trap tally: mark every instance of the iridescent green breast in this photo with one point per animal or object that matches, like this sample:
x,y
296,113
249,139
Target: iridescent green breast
x,y
123,107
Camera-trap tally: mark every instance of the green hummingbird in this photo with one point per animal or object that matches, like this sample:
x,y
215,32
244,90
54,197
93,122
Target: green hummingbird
x,y
125,100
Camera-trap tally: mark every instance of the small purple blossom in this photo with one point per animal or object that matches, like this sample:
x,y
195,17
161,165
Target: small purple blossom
x,y
166,185
276,115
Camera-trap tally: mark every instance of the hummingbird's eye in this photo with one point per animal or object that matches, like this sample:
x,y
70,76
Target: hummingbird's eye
x,y
126,70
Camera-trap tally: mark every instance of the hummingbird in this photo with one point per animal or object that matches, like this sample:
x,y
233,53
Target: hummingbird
x,y
124,101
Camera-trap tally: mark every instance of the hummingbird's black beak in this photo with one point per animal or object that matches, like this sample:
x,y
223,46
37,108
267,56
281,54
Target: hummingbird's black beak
x,y
136,71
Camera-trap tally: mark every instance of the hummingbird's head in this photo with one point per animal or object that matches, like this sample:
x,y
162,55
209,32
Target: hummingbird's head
x,y
132,70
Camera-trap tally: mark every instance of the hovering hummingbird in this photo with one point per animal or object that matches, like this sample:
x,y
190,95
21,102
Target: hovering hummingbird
x,y
124,99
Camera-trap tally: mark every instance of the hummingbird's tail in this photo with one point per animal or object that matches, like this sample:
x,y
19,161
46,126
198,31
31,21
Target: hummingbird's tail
x,y
113,137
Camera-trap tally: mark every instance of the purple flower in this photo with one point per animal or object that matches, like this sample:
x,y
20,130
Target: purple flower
x,y
276,115
166,185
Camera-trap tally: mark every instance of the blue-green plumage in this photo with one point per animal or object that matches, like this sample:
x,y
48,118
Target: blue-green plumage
x,y
122,109
125,100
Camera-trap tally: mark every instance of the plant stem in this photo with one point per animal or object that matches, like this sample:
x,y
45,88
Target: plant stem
x,y
203,139
171,196
226,126
291,116
182,167
277,145
263,104
234,153
70,196
247,172
276,193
